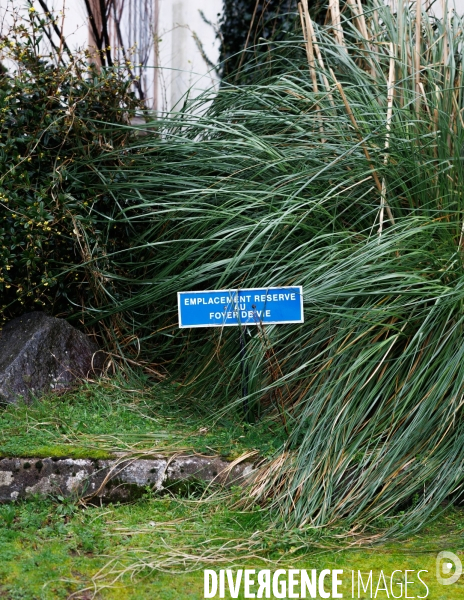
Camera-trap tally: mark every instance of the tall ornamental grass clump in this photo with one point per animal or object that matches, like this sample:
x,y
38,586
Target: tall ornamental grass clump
x,y
345,175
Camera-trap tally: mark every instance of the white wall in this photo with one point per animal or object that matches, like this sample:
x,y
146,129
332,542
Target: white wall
x,y
74,24
181,62
435,7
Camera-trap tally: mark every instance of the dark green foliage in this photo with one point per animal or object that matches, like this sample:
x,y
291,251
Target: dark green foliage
x,y
52,118
252,25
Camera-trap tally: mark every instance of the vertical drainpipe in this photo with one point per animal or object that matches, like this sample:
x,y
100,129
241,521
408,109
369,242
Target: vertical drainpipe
x,y
156,56
179,50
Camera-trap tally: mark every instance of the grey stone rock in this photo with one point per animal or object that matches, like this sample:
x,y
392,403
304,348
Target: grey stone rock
x,y
113,480
39,353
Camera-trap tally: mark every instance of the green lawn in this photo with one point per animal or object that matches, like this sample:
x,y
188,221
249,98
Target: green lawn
x,y
96,420
157,547
50,550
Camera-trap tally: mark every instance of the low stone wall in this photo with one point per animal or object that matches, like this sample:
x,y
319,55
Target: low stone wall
x,y
114,480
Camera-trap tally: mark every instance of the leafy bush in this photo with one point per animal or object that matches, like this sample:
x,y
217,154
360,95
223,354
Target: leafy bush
x,y
246,23
56,117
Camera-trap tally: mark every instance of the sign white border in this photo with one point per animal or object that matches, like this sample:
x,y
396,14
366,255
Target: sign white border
x,y
281,287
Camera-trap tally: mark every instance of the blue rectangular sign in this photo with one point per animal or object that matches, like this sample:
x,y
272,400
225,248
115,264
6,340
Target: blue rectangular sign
x,y
247,306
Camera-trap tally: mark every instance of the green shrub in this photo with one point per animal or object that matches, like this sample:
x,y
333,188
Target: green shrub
x,y
56,117
252,26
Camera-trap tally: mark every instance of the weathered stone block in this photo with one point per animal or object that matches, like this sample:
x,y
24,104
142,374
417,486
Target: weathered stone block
x,y
39,353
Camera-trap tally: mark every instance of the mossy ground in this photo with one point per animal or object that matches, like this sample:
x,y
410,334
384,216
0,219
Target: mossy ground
x,y
96,420
158,546
50,550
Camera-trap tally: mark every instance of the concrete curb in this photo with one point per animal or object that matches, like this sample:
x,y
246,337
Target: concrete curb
x,y
115,480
